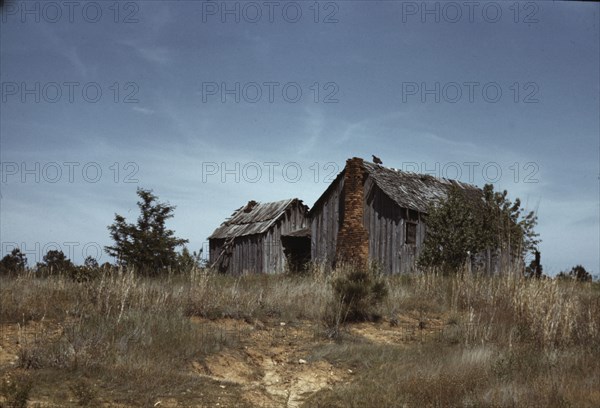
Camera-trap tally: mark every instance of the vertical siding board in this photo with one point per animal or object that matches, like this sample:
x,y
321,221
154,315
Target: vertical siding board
x,y
389,238
265,254
381,227
236,257
384,227
278,247
255,255
272,250
244,255
389,232
250,258
399,242
394,237
373,229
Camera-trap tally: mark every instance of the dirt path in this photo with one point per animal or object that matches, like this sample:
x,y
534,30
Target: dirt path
x,y
273,367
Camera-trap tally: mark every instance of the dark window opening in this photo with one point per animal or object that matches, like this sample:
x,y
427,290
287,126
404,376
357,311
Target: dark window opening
x,y
411,233
297,252
413,215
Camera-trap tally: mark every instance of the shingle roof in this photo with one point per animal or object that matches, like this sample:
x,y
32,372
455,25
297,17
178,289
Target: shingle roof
x,y
412,190
253,218
409,190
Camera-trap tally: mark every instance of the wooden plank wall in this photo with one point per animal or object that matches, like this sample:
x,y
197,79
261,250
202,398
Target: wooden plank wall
x,y
261,253
386,223
325,224
214,249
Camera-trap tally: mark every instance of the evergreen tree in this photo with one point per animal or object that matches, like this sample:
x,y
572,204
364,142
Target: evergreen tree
x,y
91,263
149,246
15,262
55,261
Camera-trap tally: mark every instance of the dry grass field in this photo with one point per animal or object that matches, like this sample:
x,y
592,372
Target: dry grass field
x,y
206,340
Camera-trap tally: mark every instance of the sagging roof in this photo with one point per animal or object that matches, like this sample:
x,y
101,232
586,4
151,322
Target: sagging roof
x,y
409,190
254,218
415,191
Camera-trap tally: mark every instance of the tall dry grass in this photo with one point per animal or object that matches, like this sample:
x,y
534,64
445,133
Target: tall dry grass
x,y
505,340
131,335
137,336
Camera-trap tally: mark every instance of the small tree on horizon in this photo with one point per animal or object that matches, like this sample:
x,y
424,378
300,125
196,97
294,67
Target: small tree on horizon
x,y
578,273
55,261
187,260
148,245
15,262
91,263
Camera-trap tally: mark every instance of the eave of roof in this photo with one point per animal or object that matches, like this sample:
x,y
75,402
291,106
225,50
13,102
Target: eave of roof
x,y
302,233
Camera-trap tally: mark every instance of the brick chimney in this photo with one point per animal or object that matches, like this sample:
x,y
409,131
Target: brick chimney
x,y
353,238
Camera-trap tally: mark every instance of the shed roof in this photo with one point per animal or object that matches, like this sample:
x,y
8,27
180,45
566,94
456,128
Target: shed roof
x,y
414,191
254,218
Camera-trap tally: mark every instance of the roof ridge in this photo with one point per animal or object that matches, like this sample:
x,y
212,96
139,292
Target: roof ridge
x,y
412,173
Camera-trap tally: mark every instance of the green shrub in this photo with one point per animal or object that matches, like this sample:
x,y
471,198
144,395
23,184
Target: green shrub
x,y
358,291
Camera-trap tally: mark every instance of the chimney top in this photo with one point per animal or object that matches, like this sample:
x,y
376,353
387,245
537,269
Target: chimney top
x,y
251,204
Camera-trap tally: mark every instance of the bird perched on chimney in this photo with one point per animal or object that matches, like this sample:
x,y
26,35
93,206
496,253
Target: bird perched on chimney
x,y
376,159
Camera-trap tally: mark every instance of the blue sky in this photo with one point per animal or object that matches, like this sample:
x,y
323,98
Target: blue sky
x,y
212,104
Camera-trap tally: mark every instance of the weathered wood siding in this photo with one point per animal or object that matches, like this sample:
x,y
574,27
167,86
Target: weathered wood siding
x,y
384,220
326,218
386,223
260,253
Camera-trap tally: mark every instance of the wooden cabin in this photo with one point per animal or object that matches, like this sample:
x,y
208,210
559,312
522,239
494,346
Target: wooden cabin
x,y
374,213
262,238
369,213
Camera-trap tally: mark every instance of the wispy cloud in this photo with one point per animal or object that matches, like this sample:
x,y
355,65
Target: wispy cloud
x,y
159,55
150,53
369,127
313,128
145,111
67,50
72,55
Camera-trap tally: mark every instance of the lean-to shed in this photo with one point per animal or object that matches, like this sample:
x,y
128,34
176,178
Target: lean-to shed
x,y
262,238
